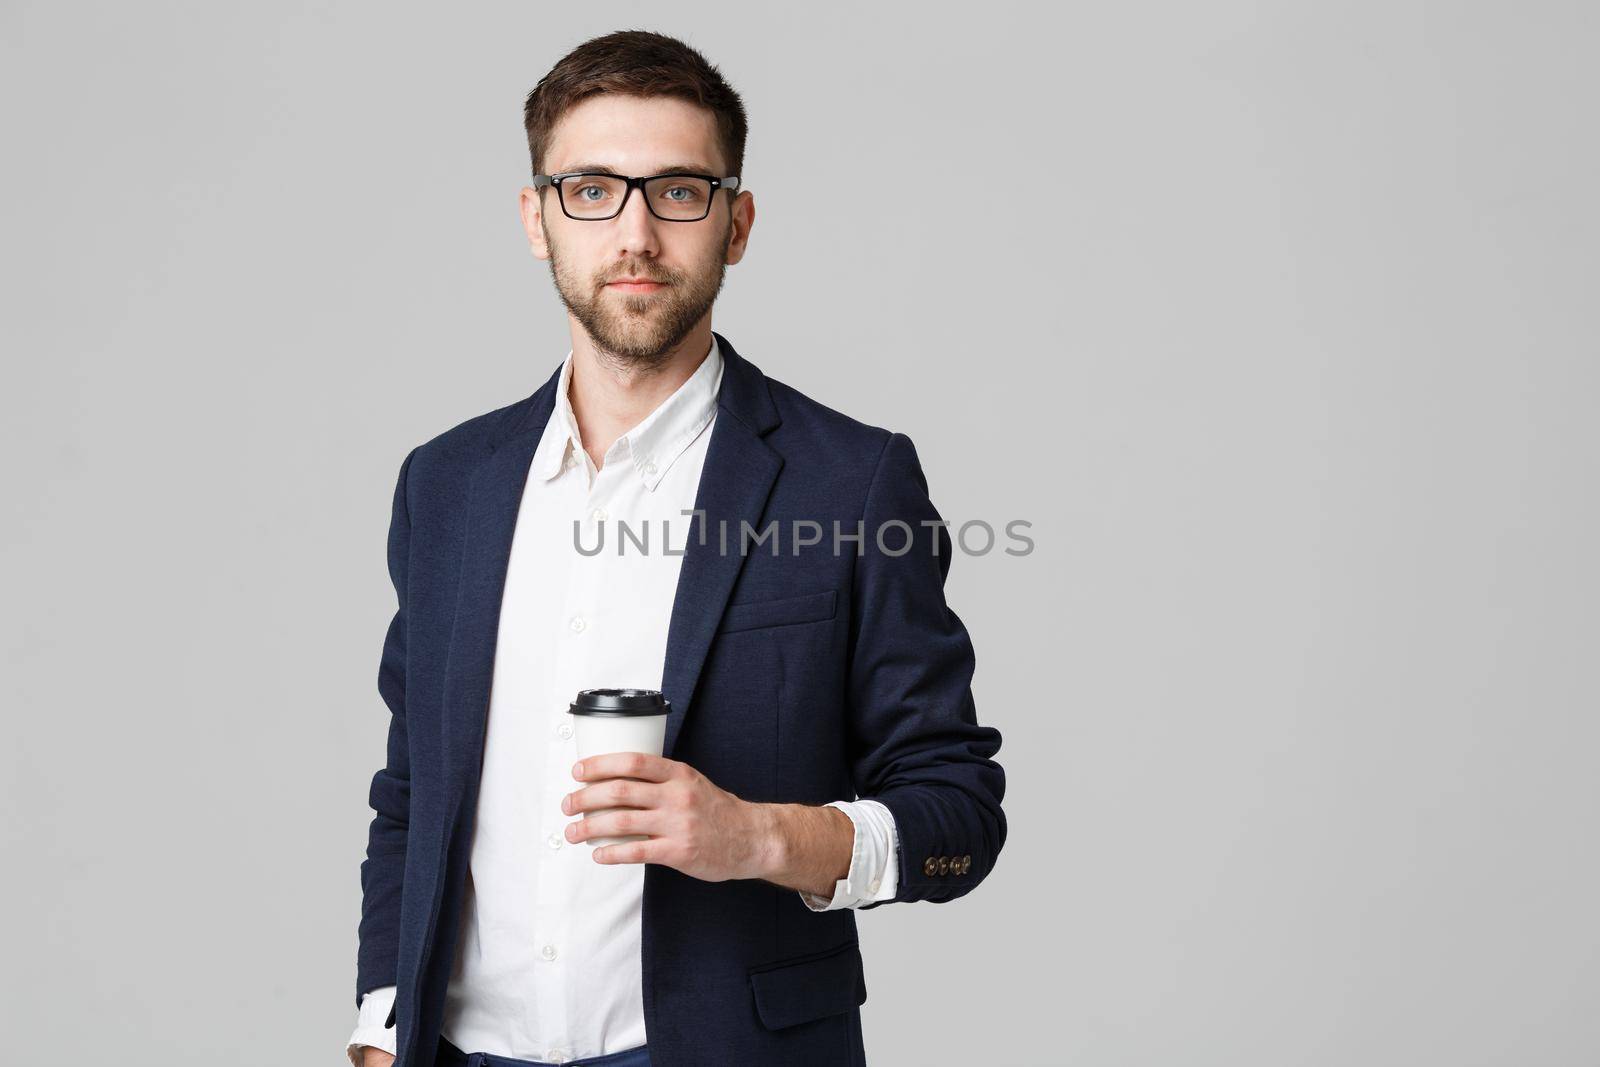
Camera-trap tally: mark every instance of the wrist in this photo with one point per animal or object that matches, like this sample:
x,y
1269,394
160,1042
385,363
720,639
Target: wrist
x,y
776,846
808,846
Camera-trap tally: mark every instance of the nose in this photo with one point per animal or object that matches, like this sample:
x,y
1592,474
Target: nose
x,y
636,228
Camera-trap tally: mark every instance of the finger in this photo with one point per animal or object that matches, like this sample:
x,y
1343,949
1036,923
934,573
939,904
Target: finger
x,y
630,852
616,824
612,793
625,765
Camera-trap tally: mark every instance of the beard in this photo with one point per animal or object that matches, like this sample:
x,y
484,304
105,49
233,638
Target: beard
x,y
640,331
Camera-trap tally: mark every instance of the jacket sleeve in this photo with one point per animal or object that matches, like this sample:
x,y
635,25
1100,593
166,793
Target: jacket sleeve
x,y
383,870
916,745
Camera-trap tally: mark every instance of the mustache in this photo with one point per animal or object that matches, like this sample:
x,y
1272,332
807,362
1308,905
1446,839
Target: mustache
x,y
641,275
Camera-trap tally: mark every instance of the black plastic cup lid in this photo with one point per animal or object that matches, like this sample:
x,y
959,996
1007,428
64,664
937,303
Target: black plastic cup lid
x,y
620,702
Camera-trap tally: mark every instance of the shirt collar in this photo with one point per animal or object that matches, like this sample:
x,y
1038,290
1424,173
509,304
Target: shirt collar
x,y
654,444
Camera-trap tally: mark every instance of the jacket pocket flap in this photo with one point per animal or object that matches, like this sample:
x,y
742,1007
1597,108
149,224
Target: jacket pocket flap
x,y
811,988
809,607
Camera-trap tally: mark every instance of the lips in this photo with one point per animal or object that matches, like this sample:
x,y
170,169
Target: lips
x,y
642,285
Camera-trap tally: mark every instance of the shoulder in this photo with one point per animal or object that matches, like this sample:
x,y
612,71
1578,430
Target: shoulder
x,y
871,470
853,452
447,458
812,430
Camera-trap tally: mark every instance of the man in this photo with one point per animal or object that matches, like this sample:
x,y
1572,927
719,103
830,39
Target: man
x,y
821,751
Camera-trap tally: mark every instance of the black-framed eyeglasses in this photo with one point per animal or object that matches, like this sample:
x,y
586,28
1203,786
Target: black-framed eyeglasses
x,y
676,197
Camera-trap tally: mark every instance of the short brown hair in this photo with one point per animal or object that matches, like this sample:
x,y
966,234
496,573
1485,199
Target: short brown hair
x,y
635,63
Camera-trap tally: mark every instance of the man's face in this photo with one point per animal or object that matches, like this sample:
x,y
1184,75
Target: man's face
x,y
637,136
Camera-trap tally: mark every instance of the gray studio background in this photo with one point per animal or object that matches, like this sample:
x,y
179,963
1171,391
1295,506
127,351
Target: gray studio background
x,y
1275,320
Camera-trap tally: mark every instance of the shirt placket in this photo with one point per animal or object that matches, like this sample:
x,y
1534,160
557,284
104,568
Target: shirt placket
x,y
553,921
582,626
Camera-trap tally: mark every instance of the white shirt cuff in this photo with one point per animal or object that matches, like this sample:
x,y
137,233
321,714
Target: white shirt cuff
x,y
369,1025
874,872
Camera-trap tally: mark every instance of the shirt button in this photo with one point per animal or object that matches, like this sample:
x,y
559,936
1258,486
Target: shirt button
x,y
548,952
872,887
649,468
555,840
599,514
577,624
555,1055
564,730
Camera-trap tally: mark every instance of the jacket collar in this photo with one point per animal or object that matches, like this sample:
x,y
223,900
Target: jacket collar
x,y
743,394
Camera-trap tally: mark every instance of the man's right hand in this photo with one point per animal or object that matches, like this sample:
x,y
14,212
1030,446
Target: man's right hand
x,y
375,1057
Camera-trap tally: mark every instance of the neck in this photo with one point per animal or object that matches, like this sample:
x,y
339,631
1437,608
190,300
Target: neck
x,y
609,398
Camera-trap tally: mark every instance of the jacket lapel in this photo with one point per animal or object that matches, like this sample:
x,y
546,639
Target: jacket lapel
x,y
734,485
493,499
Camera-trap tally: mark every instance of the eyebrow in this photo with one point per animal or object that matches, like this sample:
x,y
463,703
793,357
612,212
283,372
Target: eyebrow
x,y
601,168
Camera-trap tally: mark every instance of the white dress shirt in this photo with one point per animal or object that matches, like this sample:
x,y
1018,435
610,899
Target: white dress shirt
x,y
547,958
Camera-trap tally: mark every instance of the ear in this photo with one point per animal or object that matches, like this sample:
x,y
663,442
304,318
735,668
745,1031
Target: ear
x,y
533,221
744,217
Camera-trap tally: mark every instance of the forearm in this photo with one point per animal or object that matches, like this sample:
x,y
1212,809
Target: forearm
x,y
809,848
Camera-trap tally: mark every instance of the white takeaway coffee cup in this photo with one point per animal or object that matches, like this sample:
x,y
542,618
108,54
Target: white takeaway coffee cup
x,y
618,720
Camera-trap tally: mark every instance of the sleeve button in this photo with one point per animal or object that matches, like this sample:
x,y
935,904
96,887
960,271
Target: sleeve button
x,y
930,866
944,864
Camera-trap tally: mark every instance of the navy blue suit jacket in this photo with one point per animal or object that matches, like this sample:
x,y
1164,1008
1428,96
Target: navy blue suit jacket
x,y
798,678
